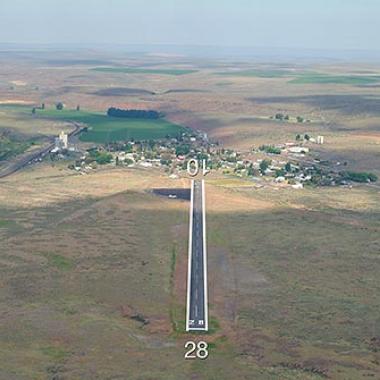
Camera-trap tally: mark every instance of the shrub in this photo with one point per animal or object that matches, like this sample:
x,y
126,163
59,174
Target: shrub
x,y
264,165
360,177
270,149
182,150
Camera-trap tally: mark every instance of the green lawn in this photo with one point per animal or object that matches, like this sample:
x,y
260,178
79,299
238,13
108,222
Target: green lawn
x,y
134,70
103,129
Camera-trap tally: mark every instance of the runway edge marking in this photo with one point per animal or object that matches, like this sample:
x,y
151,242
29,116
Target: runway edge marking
x,y
190,250
204,254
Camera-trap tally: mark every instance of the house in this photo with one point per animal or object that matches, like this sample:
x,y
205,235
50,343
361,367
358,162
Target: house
x,y
146,164
121,156
298,149
130,156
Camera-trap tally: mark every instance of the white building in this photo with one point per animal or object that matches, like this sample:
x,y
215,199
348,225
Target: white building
x,y
62,141
298,149
320,140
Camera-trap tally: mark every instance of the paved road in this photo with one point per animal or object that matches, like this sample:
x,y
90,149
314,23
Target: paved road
x,y
25,160
197,308
35,156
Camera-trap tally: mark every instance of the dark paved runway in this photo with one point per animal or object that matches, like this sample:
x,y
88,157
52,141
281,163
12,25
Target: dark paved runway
x,y
197,292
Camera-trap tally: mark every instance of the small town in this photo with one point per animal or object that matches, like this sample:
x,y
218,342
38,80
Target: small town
x,y
291,164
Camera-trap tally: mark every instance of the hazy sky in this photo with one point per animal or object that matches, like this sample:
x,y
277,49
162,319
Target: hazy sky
x,y
326,24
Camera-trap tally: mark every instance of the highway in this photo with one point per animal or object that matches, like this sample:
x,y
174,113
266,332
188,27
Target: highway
x,y
197,303
35,156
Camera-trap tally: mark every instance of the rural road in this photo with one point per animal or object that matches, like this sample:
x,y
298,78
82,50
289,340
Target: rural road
x,y
197,306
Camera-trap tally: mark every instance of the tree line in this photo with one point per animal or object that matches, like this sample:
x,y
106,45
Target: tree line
x,y
133,113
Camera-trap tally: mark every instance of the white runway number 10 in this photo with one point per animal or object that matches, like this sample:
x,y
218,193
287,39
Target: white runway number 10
x,y
196,351
193,167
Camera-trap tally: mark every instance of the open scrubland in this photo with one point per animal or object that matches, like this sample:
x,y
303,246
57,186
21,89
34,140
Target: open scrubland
x,y
93,267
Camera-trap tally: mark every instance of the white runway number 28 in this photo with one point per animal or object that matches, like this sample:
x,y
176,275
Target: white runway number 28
x,y
196,351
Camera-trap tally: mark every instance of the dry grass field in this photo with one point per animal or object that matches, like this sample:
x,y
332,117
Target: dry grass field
x,y
93,267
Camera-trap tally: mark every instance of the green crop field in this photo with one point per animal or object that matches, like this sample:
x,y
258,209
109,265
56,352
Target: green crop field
x,y
133,70
305,77
103,128
259,73
318,78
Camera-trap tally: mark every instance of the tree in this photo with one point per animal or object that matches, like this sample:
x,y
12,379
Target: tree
x,y
59,106
149,155
43,106
34,110
128,161
133,113
78,107
286,117
264,165
279,116
270,149
103,158
307,137
298,137
288,167
128,148
300,119
182,150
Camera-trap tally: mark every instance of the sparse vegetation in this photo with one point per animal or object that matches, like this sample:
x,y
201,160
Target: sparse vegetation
x,y
10,147
134,70
59,262
293,272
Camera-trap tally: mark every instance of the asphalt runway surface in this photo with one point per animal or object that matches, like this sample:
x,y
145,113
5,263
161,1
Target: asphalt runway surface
x,y
197,313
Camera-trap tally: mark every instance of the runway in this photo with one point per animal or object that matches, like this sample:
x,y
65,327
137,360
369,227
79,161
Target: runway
x,y
197,303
